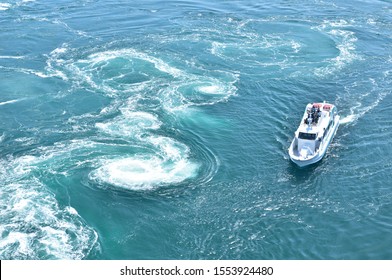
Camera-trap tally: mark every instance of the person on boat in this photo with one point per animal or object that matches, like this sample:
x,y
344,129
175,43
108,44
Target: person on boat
x,y
309,119
315,113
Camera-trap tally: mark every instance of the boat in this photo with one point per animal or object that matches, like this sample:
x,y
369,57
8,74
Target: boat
x,y
318,126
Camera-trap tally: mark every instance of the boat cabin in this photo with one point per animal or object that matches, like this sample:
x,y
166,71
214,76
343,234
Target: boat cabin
x,y
316,121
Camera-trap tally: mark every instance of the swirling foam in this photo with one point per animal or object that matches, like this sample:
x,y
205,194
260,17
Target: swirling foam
x,y
114,72
273,47
136,80
130,124
167,163
196,91
130,72
34,226
132,54
345,43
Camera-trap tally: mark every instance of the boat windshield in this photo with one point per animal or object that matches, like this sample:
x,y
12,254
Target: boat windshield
x,y
307,136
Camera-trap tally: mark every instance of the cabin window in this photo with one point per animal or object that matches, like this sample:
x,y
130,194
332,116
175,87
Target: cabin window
x,y
307,136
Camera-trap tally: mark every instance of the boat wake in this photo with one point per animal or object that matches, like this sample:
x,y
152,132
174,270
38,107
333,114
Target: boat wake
x,y
349,119
9,102
364,97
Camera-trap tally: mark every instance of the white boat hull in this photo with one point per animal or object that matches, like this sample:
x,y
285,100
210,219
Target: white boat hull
x,y
302,161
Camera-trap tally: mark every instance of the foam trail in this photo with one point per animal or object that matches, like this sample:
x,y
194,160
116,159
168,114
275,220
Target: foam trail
x,y
133,54
9,102
11,56
345,41
348,119
5,6
358,111
30,71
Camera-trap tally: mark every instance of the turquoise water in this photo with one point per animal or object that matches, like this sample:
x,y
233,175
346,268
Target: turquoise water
x,y
159,129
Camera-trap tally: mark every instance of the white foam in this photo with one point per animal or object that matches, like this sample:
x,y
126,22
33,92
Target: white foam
x,y
348,119
365,102
166,162
133,54
99,71
130,124
54,61
161,160
169,148
26,141
61,50
211,89
195,90
259,50
217,48
32,71
346,47
16,239
144,172
11,56
371,21
336,23
71,210
345,42
169,165
78,32
96,71
295,46
33,225
9,102
5,6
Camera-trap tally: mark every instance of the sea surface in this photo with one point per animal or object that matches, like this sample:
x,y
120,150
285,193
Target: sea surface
x,y
159,129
